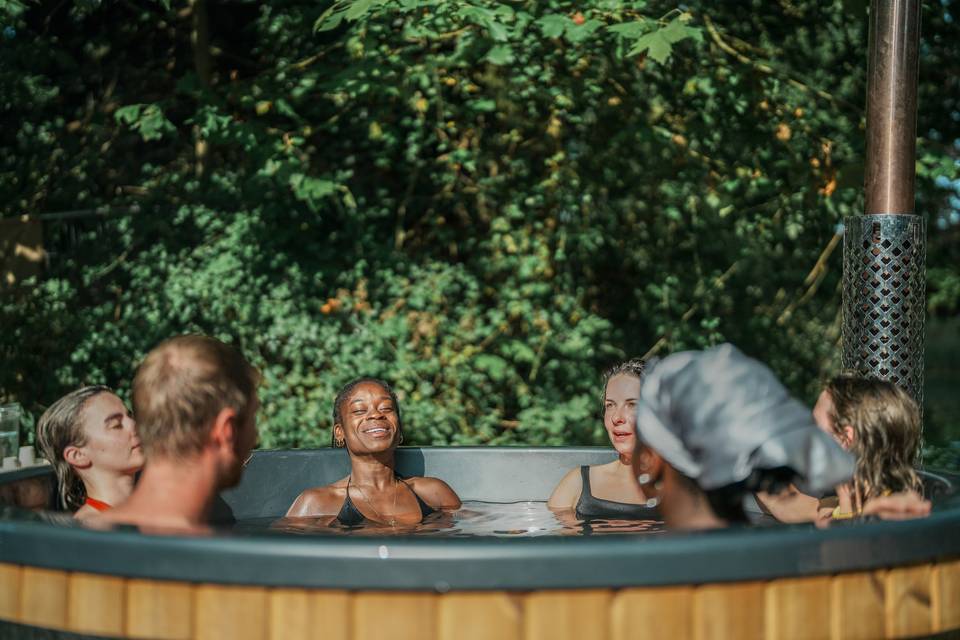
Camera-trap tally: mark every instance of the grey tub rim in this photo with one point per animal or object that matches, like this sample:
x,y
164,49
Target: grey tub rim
x,y
439,564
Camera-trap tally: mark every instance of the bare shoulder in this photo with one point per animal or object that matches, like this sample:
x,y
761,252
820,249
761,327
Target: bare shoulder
x,y
435,492
318,501
567,492
608,467
86,513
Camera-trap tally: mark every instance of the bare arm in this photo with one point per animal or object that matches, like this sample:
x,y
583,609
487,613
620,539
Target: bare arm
x,y
437,493
904,505
567,493
789,505
321,501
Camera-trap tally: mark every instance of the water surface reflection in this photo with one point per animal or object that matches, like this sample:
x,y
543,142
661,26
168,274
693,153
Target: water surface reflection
x,y
527,519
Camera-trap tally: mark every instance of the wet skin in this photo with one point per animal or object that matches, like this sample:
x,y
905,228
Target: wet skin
x,y
111,437
615,480
370,429
111,453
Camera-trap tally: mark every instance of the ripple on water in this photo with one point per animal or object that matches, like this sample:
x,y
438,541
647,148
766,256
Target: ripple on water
x,y
474,519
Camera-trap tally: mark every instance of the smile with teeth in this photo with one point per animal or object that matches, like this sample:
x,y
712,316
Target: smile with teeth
x,y
376,430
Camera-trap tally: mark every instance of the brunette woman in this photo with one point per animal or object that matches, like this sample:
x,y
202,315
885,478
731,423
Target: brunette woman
x,y
610,491
366,417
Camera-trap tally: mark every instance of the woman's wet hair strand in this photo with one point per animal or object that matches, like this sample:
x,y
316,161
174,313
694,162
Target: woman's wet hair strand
x,y
886,426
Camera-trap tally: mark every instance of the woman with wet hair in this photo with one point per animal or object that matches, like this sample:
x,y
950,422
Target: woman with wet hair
x,y
610,491
90,438
366,417
879,423
714,427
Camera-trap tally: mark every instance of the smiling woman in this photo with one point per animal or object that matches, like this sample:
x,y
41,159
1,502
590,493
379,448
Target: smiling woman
x,y
366,418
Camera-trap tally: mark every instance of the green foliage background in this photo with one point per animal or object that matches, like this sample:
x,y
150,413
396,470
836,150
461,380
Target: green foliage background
x,y
484,202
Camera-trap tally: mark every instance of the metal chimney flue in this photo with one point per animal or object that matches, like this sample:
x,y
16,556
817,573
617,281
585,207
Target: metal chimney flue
x,y
884,250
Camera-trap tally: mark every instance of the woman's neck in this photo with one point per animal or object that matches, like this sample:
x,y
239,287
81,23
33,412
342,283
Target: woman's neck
x,y
111,488
376,470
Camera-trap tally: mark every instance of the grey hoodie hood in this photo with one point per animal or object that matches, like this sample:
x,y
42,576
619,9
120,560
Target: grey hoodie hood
x,y
720,417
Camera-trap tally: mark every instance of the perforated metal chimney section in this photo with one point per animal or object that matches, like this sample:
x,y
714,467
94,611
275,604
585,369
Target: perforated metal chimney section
x,y
884,250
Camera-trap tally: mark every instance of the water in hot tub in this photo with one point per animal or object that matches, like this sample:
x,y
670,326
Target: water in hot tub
x,y
474,519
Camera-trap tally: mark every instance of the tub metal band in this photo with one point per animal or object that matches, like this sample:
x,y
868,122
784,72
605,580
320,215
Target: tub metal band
x,y
884,293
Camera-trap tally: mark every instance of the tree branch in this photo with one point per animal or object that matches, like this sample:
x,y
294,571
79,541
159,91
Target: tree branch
x,y
767,69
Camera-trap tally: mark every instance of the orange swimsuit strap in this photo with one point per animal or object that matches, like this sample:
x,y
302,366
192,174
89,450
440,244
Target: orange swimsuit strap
x,y
96,504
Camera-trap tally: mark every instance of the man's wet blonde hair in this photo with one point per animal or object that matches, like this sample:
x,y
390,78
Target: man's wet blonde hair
x,y
180,388
886,426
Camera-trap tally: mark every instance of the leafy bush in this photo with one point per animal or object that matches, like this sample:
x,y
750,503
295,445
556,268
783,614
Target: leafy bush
x,y
483,202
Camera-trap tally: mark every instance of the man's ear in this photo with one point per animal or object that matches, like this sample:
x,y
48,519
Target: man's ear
x,y
76,457
338,432
224,430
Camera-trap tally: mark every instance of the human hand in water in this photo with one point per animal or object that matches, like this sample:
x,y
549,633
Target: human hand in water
x,y
904,505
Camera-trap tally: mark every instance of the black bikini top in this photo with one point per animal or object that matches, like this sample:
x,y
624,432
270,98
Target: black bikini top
x,y
590,507
350,516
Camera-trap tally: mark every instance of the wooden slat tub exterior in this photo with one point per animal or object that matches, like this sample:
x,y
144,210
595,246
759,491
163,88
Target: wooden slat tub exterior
x,y
157,609
857,611
892,603
946,596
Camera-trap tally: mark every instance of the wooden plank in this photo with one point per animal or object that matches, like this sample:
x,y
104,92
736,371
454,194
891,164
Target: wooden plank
x,y
858,605
667,610
908,607
43,598
10,591
158,609
798,608
734,611
555,615
300,613
945,580
230,612
96,604
479,616
377,615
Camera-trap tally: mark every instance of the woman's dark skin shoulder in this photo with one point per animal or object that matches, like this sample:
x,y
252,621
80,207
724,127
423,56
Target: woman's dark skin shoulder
x,y
435,492
319,501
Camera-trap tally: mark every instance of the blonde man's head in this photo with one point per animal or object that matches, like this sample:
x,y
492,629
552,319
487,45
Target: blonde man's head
x,y
180,388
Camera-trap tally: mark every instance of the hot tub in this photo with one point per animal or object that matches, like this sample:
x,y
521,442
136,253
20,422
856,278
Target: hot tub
x,y
867,580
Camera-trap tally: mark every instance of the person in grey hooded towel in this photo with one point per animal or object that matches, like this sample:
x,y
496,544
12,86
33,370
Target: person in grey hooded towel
x,y
716,426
